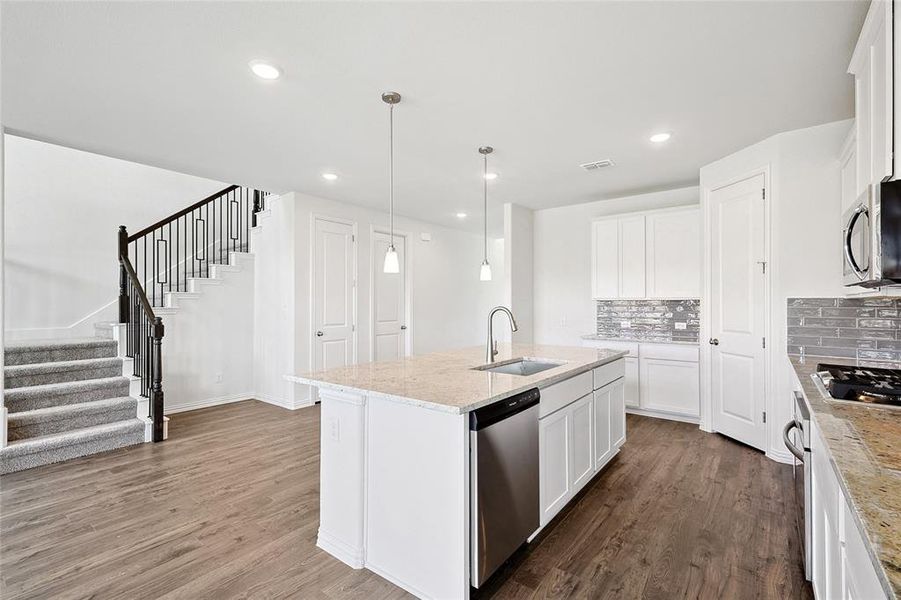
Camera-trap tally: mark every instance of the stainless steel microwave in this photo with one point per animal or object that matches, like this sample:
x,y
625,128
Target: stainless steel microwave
x,y
871,237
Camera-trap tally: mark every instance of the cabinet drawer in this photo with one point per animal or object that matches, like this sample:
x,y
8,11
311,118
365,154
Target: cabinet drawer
x,y
686,352
556,396
608,373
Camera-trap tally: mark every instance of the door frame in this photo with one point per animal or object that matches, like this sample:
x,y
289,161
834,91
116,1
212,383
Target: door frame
x,y
408,287
312,283
707,404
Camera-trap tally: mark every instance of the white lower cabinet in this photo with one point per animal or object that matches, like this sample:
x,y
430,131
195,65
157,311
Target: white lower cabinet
x,y
842,568
553,465
631,390
670,379
578,439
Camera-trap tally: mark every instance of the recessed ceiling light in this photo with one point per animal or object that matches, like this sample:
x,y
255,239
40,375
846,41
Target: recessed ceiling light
x,y
461,215
659,138
329,176
490,176
265,70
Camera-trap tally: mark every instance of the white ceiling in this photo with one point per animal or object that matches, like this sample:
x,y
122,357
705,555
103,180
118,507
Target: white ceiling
x,y
549,85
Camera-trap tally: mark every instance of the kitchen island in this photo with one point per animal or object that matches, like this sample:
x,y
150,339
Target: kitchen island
x,y
395,452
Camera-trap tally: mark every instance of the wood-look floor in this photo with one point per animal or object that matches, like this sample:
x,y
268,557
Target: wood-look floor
x,y
228,508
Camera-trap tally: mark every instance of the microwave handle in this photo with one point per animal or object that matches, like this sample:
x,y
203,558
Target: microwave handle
x,y
849,256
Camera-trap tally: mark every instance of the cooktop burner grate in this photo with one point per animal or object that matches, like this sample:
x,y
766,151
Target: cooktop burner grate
x,y
870,385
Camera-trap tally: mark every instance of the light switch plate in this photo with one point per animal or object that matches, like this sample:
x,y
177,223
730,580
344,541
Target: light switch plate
x,y
625,324
681,325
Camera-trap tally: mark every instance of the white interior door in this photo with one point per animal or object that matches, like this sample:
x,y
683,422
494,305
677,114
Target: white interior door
x,y
389,301
738,296
333,295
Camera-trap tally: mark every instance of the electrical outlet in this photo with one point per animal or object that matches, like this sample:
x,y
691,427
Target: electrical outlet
x,y
218,377
625,324
681,325
334,429
563,321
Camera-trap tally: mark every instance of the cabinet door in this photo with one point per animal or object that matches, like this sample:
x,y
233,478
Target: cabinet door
x,y
581,443
632,257
554,470
848,162
670,386
603,447
617,415
605,259
631,382
826,542
860,580
674,254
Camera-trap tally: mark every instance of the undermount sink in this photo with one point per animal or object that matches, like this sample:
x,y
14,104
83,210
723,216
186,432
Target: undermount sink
x,y
520,366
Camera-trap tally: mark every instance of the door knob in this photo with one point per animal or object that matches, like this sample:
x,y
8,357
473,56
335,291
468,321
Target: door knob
x,y
714,342
319,334
403,327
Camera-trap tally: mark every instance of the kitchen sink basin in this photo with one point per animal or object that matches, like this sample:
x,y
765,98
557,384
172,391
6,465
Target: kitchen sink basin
x,y
520,366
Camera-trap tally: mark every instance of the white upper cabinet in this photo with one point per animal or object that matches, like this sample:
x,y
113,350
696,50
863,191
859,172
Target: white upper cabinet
x,y
605,258
656,254
632,257
871,65
674,254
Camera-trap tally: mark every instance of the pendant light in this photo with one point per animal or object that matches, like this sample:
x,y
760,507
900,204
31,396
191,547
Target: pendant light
x,y
392,264
485,271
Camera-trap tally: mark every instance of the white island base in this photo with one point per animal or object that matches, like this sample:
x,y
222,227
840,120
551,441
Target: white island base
x,y
395,454
394,494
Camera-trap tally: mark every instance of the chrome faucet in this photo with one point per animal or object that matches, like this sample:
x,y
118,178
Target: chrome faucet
x,y
492,344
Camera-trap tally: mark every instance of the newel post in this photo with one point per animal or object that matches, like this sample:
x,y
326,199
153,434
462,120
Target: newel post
x,y
156,384
123,276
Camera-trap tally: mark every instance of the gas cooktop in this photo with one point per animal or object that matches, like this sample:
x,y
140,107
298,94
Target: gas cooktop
x,y
869,385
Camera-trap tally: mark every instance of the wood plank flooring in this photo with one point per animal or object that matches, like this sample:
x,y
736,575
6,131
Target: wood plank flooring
x,y
229,508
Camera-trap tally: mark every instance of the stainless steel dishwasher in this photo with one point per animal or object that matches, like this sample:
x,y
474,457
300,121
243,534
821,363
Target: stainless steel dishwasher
x,y
505,511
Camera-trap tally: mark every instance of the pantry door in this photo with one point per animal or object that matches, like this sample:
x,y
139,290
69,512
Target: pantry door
x,y
334,294
737,305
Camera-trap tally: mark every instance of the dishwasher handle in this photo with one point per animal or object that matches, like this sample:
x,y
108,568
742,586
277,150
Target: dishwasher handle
x,y
502,409
798,453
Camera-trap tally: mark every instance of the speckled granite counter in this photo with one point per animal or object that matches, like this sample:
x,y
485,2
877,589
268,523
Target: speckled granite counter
x,y
446,381
865,447
636,340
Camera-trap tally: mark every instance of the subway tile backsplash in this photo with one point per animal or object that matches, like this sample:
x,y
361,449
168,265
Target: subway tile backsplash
x,y
649,320
862,328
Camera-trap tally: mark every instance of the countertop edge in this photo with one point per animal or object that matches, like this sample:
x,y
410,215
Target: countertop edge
x,y
460,410
593,337
880,568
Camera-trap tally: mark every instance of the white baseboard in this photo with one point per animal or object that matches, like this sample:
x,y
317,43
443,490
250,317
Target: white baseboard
x,y
283,402
208,402
784,457
346,553
663,415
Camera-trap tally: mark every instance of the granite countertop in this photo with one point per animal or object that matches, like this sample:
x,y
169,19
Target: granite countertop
x,y
864,444
640,340
446,381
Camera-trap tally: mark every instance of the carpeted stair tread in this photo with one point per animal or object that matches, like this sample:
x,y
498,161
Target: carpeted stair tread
x,y
17,376
46,449
57,419
58,394
25,352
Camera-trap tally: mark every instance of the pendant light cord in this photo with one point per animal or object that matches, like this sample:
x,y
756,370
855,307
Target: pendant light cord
x,y
391,173
485,201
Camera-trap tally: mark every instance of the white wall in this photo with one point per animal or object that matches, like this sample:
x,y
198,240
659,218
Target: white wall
x,y
63,209
273,245
519,268
208,343
563,308
805,224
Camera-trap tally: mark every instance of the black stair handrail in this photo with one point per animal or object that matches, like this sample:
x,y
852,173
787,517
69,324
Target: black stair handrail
x,y
181,248
144,337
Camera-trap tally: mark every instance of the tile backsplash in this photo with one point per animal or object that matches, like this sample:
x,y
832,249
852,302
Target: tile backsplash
x,y
862,328
649,320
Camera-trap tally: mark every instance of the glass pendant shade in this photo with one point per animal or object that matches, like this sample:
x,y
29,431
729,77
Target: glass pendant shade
x,y
485,271
392,264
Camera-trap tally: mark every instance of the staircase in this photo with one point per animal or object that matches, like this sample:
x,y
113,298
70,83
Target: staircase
x,y
66,399
69,398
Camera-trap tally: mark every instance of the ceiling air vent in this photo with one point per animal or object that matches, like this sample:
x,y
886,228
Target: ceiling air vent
x,y
598,164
